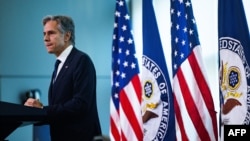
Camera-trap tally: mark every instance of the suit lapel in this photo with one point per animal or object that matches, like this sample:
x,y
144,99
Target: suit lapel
x,y
65,67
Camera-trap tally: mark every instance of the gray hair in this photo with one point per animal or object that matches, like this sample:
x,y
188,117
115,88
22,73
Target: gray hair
x,y
65,24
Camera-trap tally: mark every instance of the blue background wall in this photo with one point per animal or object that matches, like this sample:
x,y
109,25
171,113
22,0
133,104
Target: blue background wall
x,y
25,63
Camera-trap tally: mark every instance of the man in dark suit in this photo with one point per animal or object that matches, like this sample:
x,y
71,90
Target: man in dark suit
x,y
72,110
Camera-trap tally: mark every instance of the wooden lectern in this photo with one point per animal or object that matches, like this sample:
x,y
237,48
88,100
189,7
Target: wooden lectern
x,y
13,116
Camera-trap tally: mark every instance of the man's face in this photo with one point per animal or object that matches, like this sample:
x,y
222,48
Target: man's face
x,y
54,40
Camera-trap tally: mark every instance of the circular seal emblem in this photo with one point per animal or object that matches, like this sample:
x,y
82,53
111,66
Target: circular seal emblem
x,y
234,82
155,104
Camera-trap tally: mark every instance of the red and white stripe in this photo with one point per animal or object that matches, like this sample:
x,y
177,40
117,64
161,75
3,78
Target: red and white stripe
x,y
194,107
126,123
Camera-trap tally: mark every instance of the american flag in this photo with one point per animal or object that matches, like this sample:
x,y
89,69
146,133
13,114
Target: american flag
x,y
194,106
125,105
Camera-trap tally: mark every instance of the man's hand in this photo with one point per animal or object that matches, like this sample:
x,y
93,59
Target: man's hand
x,y
31,102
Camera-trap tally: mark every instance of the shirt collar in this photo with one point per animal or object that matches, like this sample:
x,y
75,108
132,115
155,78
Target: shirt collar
x,y
63,56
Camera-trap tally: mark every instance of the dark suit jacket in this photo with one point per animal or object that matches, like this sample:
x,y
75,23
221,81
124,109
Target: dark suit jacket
x,y
72,109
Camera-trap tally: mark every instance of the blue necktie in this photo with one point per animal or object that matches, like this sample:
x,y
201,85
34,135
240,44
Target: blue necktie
x,y
55,70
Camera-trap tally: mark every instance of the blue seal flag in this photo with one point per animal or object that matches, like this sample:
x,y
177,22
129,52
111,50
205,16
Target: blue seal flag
x,y
234,49
157,107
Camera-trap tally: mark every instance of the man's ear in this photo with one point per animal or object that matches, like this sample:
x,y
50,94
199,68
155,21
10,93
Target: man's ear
x,y
67,36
